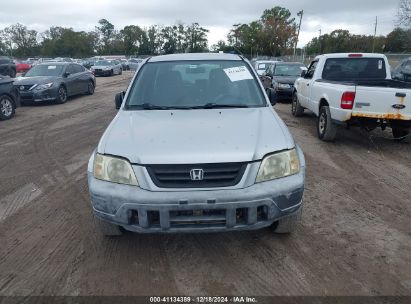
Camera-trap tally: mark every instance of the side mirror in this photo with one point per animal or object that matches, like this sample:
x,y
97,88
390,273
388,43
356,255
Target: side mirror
x,y
303,73
66,74
272,96
119,99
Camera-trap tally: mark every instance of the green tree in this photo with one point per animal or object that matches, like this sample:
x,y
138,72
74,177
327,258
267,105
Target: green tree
x,y
132,36
23,41
404,13
105,30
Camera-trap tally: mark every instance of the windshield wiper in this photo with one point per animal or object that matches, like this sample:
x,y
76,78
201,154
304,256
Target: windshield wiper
x,y
150,106
212,105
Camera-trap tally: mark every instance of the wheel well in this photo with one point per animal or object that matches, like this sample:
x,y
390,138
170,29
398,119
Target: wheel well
x,y
323,102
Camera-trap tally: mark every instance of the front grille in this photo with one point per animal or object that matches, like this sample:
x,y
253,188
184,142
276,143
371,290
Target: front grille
x,y
178,176
98,70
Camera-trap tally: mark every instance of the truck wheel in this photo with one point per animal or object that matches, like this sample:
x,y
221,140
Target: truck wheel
x,y
400,133
296,109
326,129
106,228
7,108
289,223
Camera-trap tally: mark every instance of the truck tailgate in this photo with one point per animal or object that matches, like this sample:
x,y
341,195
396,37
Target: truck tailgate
x,y
382,102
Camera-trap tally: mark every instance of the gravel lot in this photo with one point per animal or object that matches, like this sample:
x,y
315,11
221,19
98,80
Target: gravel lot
x,y
355,236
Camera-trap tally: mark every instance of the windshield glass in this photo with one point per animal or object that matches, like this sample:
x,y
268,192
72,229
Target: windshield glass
x,y
288,70
45,70
351,69
103,63
187,84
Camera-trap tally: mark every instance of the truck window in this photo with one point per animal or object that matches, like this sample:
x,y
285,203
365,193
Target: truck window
x,y
311,70
352,69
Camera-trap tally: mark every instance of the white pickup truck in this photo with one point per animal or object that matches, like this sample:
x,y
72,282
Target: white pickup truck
x,y
353,89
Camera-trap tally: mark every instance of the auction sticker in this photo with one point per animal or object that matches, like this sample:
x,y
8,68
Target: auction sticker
x,y
238,73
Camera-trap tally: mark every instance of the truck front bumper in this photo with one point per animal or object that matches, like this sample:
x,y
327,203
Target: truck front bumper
x,y
140,210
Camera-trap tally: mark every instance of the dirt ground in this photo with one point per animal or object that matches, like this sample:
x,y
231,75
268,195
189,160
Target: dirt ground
x,y
354,239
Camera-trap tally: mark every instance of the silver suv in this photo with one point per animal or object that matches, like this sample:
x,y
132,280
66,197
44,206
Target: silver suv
x,y
196,147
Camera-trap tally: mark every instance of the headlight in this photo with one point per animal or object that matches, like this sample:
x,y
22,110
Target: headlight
x,y
43,86
113,169
284,86
278,165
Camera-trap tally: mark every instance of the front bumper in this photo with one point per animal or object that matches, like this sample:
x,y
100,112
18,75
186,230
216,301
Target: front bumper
x,y
284,94
140,210
39,96
102,73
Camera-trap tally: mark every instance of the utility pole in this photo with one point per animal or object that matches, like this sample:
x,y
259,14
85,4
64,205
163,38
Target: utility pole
x,y
300,14
319,40
375,33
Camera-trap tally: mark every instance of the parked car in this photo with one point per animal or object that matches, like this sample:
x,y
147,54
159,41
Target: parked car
x,y
22,66
133,63
7,67
403,71
212,154
55,81
9,98
261,65
124,65
107,68
353,89
281,77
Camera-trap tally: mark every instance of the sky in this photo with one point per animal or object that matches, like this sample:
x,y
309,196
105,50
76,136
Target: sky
x,y
218,16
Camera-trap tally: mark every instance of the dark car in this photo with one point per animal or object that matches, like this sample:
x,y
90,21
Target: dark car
x,y
9,98
7,67
55,81
281,76
403,71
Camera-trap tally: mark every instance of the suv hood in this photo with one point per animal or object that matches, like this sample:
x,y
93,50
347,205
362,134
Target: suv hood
x,y
195,136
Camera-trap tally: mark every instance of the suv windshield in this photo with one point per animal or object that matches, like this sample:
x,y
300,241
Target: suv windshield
x,y
195,84
45,70
351,69
288,70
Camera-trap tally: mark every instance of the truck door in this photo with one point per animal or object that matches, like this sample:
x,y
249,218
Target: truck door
x,y
304,84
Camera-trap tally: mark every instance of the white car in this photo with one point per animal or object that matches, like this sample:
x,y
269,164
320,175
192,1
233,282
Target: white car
x,y
107,68
355,90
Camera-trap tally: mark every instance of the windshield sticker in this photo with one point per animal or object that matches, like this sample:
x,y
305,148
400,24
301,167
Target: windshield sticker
x,y
51,67
380,64
238,73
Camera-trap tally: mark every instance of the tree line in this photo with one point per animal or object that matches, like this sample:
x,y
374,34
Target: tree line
x,y
273,34
19,41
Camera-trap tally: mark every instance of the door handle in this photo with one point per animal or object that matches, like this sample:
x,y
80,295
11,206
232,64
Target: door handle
x,y
308,84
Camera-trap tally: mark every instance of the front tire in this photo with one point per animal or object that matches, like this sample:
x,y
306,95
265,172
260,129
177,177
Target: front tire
x,y
61,95
326,129
296,109
288,224
90,88
121,72
106,228
7,108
